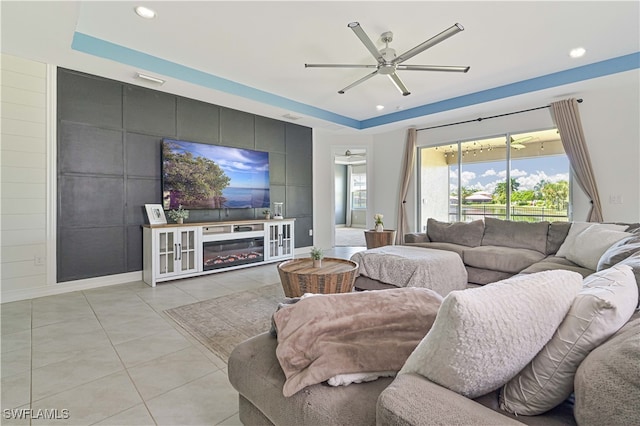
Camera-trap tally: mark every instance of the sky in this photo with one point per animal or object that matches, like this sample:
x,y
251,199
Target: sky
x,y
527,172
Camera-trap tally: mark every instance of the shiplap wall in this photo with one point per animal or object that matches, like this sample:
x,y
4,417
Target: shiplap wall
x,y
23,174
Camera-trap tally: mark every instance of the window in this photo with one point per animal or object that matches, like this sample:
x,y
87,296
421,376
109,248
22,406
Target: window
x,y
521,177
358,187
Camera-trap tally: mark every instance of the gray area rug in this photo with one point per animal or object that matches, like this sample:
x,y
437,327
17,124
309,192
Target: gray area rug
x,y
222,323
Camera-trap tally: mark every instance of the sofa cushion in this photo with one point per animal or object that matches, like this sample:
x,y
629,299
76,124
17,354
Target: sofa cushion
x,y
607,383
326,335
485,276
557,233
577,227
255,373
416,237
507,233
484,336
605,304
466,234
503,259
553,262
634,262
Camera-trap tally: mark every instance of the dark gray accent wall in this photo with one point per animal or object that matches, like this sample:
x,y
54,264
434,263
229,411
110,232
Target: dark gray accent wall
x,y
109,167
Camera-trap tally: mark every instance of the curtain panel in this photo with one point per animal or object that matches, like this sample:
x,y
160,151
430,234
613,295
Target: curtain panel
x,y
566,115
407,169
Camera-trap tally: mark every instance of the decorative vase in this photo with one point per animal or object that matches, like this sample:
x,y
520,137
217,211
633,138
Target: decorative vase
x,y
180,220
267,217
379,227
317,263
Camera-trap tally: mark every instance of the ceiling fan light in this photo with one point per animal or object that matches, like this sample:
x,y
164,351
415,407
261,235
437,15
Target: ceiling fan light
x,y
578,52
379,107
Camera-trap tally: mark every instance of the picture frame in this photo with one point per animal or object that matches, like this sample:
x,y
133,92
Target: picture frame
x,y
155,214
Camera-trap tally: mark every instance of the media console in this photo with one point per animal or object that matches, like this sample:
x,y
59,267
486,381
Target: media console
x,y
176,251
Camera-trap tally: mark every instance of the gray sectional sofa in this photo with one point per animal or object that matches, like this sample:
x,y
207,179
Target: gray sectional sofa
x,y
496,249
607,381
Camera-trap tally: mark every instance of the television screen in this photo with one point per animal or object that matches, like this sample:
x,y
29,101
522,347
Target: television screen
x,y
202,176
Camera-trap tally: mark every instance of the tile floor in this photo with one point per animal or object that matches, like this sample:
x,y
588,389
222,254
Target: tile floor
x,y
110,356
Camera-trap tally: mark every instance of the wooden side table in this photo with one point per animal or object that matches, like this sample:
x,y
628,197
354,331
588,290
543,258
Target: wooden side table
x,y
298,276
380,238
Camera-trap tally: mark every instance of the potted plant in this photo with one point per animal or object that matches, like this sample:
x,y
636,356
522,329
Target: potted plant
x,y
317,255
267,214
179,215
378,221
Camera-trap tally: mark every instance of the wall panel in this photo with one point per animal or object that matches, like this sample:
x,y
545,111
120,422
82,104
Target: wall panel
x,y
110,166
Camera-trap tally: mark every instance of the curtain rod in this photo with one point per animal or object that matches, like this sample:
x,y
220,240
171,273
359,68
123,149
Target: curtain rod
x,y
488,118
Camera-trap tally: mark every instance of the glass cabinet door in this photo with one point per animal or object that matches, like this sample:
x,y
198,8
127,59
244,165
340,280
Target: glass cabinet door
x,y
188,250
166,252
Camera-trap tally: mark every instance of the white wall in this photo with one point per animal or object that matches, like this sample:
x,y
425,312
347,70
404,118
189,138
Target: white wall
x,y
23,174
610,117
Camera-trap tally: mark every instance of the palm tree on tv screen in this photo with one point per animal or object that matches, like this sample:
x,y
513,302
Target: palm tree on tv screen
x,y
193,181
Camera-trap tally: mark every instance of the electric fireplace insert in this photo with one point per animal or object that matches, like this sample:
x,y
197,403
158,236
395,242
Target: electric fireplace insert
x,y
222,254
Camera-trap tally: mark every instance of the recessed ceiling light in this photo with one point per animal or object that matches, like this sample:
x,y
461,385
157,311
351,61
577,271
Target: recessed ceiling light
x,y
145,12
578,52
379,107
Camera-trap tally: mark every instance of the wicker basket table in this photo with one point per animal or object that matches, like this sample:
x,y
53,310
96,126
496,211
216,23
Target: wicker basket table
x,y
298,276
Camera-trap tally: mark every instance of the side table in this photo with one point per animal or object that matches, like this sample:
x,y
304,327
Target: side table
x,y
380,238
298,276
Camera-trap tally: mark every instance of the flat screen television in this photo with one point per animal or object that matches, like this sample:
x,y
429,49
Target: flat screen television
x,y
202,176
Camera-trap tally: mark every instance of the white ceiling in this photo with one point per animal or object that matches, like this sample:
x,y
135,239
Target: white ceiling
x,y
264,45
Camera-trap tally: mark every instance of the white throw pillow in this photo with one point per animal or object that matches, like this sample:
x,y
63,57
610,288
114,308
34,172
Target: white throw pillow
x,y
606,302
591,243
483,337
576,228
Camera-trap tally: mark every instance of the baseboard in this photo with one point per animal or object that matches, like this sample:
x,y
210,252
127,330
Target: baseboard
x,y
69,286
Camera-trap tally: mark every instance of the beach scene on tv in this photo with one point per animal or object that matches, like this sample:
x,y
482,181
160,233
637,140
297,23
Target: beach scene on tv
x,y
202,176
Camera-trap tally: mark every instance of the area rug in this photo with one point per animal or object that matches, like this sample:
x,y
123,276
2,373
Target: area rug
x,y
222,323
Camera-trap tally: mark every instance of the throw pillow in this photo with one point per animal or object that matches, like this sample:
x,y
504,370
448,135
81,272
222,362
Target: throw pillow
x,y
605,304
578,227
361,332
483,337
634,262
619,251
590,243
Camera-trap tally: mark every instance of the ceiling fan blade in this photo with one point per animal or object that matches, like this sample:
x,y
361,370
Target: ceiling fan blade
x,y
363,79
444,68
399,84
454,29
338,66
364,38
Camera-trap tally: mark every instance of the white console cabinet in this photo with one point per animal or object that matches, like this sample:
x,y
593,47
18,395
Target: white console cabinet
x,y
279,240
180,251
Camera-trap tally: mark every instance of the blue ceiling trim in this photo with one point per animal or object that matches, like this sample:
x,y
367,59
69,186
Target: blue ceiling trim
x,y
573,75
104,49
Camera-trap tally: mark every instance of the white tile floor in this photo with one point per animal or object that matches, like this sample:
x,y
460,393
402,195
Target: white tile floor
x,y
110,356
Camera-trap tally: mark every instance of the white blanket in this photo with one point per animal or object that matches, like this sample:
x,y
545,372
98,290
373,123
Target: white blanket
x,y
405,266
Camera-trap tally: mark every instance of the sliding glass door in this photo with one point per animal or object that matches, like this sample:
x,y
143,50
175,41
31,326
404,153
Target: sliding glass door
x,y
521,177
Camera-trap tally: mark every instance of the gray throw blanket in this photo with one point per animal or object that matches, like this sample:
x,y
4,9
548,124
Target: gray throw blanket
x,y
406,266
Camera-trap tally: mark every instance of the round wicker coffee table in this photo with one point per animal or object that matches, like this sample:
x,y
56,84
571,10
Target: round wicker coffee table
x,y
298,276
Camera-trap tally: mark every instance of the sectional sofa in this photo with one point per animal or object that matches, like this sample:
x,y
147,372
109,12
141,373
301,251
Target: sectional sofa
x,y
537,270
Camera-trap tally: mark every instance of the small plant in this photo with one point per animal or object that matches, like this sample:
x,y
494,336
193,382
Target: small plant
x,y
179,213
266,212
316,253
378,219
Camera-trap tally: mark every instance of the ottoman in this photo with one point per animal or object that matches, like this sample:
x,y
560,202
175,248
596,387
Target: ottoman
x,y
408,266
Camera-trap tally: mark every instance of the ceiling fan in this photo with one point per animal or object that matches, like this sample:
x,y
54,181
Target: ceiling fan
x,y
518,143
387,61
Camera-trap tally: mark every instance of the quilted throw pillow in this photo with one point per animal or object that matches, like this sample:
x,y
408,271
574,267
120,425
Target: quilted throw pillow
x,y
606,302
483,337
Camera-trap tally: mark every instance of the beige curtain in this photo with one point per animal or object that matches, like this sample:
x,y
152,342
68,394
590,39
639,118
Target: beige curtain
x,y
567,119
407,169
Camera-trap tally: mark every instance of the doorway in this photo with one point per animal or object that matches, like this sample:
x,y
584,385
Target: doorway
x,y
350,179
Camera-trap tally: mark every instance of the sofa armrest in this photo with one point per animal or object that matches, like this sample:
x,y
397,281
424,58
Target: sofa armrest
x,y
413,400
417,237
